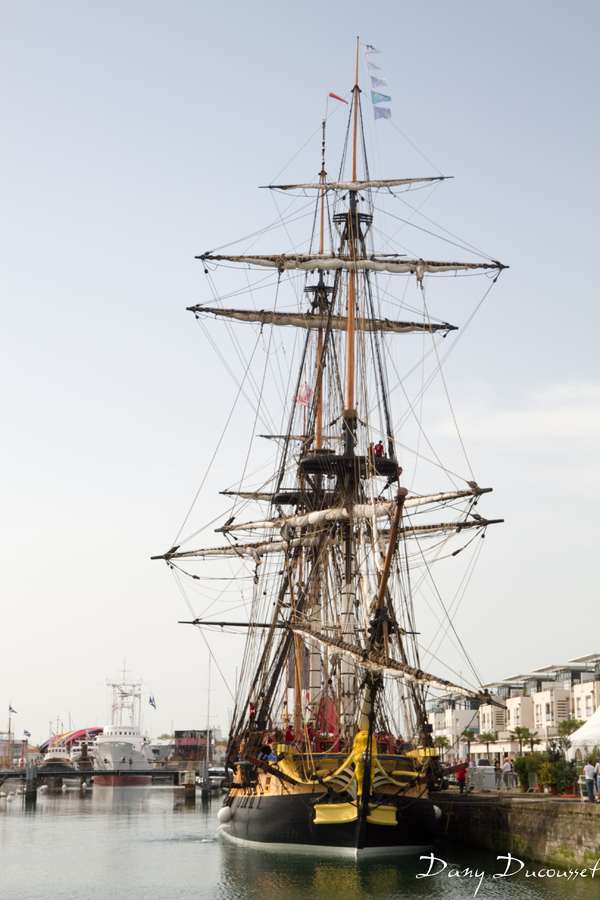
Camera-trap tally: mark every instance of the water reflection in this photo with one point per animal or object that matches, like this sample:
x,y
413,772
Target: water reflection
x,y
258,875
146,844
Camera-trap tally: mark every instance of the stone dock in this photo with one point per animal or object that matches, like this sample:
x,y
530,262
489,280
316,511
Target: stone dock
x,y
537,827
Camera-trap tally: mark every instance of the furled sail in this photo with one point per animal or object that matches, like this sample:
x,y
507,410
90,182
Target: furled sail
x,y
315,320
254,551
440,527
357,511
352,185
324,262
380,663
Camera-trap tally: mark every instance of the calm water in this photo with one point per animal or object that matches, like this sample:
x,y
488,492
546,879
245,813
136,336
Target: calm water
x,y
146,844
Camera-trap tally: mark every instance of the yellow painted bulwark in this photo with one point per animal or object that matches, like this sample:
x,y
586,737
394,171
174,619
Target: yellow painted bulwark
x,y
422,752
335,813
383,815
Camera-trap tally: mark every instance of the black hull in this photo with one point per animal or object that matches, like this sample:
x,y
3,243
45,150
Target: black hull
x,y
286,823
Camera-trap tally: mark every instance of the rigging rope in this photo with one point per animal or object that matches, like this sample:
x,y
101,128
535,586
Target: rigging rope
x,y
214,456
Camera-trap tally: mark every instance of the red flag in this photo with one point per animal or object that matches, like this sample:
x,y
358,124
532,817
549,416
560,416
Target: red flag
x,y
335,97
305,395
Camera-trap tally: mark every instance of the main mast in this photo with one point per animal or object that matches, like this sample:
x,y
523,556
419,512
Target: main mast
x,y
348,671
351,236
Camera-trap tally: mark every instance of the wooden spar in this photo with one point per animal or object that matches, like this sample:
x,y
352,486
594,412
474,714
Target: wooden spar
x,y
322,191
319,415
355,111
298,664
402,492
350,340
352,248
319,412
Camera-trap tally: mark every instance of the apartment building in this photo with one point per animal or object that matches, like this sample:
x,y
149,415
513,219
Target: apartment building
x,y
586,695
519,712
551,707
539,701
449,717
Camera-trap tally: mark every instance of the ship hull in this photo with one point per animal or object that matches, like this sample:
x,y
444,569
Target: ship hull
x,y
125,780
127,758
285,823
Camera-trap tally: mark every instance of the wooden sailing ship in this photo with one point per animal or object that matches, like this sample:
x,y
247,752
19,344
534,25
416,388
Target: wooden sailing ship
x,y
315,762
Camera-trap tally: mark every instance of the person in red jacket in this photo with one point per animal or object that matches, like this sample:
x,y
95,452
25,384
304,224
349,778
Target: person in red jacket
x,y
461,777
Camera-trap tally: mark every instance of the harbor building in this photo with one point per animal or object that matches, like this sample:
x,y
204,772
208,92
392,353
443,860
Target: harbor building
x,y
538,701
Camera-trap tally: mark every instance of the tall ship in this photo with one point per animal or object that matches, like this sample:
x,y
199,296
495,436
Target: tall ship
x,y
121,753
330,748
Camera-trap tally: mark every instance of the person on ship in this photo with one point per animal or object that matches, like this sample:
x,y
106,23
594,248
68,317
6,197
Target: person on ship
x,y
289,737
379,449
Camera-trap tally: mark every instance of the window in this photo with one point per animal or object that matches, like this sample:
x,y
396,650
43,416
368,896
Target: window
x,y
548,716
588,705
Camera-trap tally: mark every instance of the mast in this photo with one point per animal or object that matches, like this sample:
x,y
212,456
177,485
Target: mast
x,y
351,278
208,723
319,410
348,671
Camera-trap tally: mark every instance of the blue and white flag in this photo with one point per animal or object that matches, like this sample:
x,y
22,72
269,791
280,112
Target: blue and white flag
x,y
152,702
378,82
369,48
371,67
379,98
27,733
382,112
11,710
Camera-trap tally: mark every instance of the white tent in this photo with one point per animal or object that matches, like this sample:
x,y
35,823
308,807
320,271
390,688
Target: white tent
x,y
587,737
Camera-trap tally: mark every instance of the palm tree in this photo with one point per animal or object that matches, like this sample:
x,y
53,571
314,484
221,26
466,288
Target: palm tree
x,y
487,738
568,726
532,739
468,734
442,742
520,734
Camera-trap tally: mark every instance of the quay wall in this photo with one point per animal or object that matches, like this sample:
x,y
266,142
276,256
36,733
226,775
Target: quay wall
x,y
555,831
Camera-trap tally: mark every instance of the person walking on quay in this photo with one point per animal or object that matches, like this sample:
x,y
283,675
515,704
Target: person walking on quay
x,y
588,771
498,774
597,774
507,769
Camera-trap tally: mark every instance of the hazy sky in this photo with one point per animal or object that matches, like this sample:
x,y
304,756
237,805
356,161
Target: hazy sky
x,y
135,136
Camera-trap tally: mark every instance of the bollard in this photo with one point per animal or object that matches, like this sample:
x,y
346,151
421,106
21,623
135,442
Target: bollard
x,y
31,784
188,780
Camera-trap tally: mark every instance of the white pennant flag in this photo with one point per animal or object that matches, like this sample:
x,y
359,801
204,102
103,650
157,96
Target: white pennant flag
x,y
369,48
371,67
